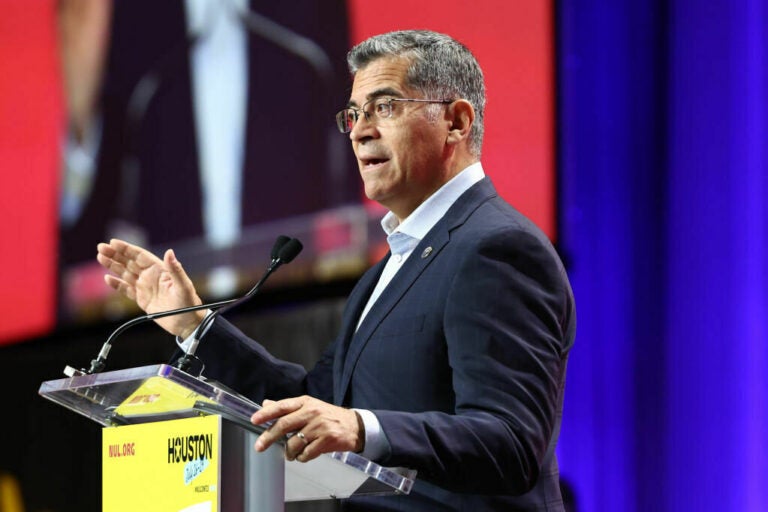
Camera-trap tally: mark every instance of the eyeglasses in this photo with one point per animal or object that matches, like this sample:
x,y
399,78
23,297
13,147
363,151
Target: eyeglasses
x,y
382,109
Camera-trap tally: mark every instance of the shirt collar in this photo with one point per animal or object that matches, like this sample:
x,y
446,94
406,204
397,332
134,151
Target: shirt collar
x,y
428,213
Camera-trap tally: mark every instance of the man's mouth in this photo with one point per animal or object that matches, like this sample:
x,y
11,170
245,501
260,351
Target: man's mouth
x,y
372,162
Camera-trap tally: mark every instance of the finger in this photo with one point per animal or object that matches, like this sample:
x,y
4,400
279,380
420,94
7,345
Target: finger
x,y
295,445
309,452
120,272
128,250
288,419
132,257
272,410
265,440
278,431
174,266
340,430
105,249
113,260
121,286
112,281
319,442
106,261
117,269
115,249
143,258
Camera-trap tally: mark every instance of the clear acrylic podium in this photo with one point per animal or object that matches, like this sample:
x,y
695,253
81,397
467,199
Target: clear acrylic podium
x,y
250,480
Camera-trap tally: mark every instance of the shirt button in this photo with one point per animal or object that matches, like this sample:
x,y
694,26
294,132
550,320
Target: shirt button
x,y
397,258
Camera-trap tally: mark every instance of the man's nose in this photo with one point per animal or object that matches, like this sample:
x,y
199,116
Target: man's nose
x,y
364,128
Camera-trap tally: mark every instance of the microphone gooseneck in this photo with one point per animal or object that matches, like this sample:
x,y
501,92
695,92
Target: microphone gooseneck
x,y
284,250
98,364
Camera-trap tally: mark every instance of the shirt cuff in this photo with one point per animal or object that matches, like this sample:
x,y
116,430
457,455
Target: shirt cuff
x,y
185,343
376,442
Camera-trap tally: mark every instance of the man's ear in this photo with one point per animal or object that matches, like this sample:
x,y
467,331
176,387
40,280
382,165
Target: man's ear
x,y
461,115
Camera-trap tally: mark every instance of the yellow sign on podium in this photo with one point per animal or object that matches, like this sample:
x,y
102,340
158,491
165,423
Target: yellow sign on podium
x,y
169,465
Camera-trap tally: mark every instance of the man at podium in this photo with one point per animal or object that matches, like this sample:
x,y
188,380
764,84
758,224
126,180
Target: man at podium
x,y
452,355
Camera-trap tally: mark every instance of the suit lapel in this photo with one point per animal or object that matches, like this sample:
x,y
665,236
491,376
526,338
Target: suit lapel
x,y
423,255
355,304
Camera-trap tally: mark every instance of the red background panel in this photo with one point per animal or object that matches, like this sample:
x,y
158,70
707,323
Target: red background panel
x,y
30,127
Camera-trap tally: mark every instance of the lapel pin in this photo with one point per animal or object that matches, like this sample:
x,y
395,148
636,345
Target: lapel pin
x,y
426,252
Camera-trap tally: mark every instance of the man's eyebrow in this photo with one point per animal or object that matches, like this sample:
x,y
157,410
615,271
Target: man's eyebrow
x,y
378,93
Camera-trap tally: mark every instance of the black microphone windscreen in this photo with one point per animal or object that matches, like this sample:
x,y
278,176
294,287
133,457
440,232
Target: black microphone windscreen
x,y
290,250
279,244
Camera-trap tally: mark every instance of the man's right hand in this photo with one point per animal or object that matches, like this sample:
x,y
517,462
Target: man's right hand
x,y
155,284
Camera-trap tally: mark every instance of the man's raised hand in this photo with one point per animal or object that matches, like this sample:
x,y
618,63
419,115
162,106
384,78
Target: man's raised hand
x,y
154,284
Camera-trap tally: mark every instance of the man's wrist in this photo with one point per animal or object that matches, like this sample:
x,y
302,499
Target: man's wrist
x,y
192,326
360,444
375,443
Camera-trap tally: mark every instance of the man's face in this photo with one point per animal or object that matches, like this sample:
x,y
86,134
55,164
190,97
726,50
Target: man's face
x,y
402,158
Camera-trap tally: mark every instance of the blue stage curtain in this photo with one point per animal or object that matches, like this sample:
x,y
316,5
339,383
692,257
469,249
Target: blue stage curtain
x,y
663,140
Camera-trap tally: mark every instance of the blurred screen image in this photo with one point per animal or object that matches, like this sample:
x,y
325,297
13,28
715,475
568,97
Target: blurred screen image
x,y
207,126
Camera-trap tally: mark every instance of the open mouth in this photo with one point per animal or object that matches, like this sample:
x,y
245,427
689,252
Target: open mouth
x,y
372,162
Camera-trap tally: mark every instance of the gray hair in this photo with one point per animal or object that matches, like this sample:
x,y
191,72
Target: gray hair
x,y
440,68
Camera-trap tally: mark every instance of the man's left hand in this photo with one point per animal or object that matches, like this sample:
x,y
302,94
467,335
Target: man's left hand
x,y
316,427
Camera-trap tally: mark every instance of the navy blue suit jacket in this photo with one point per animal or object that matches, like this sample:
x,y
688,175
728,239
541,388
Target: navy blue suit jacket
x,y
462,359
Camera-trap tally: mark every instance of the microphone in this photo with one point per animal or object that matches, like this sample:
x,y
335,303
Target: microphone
x,y
284,250
279,243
